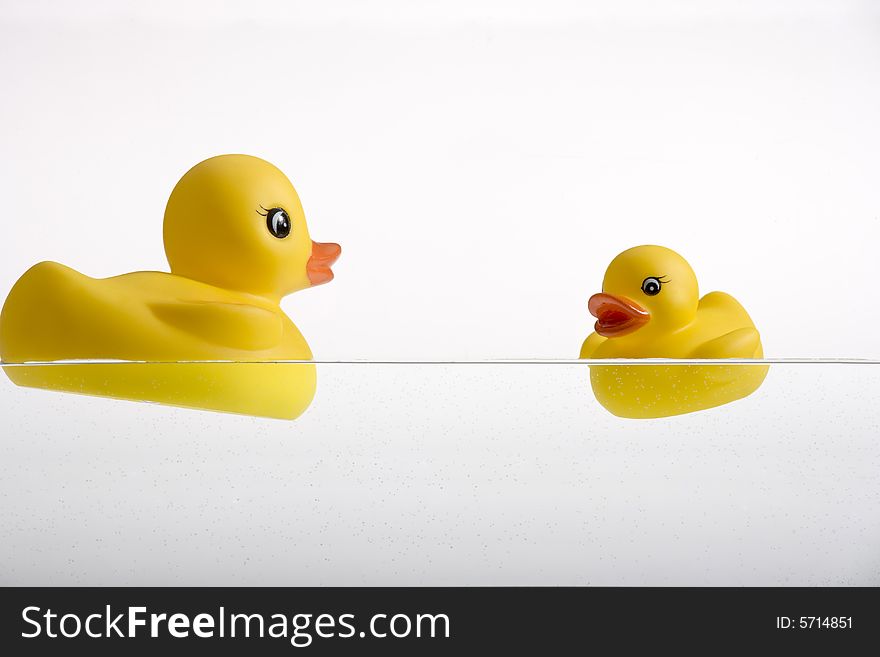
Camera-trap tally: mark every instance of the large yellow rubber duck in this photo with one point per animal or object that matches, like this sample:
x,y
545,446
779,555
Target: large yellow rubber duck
x,y
650,307
236,239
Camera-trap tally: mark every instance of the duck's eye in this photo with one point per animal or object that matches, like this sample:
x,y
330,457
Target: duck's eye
x,y
278,222
651,286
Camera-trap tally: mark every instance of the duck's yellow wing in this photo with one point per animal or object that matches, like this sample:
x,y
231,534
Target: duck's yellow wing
x,y
727,329
230,325
740,343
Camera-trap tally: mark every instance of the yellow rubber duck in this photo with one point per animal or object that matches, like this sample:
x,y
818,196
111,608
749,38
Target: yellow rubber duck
x,y
650,307
236,239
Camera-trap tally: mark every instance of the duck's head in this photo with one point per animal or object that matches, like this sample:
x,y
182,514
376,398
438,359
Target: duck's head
x,y
235,221
646,286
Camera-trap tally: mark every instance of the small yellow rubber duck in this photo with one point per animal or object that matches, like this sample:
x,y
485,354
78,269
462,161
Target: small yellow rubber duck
x,y
650,307
236,239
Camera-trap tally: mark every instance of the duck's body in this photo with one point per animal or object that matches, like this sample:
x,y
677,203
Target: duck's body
x,y
673,324
54,313
142,316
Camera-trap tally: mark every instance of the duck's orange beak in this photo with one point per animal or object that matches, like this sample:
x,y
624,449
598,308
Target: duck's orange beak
x,y
616,315
324,254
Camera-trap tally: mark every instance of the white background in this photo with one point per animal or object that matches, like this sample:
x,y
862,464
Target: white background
x,y
480,162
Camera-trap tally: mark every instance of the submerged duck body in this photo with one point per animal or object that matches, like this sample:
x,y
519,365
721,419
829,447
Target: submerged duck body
x,y
650,307
237,241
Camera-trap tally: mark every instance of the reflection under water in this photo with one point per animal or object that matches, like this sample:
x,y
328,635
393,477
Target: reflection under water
x,y
652,391
635,388
280,390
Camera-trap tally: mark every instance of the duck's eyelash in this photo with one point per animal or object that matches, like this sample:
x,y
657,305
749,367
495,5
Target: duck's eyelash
x,y
265,212
661,279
